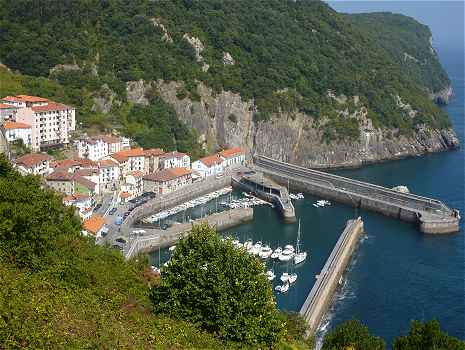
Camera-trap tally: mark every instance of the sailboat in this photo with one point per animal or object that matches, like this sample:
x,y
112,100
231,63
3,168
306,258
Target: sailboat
x,y
299,256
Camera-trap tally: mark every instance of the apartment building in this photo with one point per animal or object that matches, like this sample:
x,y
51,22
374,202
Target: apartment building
x,y
130,160
33,164
51,122
208,166
174,160
233,157
152,159
167,180
61,181
98,147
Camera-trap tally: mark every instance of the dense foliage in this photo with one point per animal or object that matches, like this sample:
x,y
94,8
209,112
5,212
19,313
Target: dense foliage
x,y
352,335
211,283
287,54
408,43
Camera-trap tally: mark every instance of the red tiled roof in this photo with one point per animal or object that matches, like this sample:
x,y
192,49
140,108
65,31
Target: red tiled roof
x,y
123,156
107,163
136,173
31,159
60,175
64,164
24,98
209,161
77,197
14,125
84,182
86,163
94,224
5,106
167,174
86,172
153,152
51,106
172,155
231,152
110,139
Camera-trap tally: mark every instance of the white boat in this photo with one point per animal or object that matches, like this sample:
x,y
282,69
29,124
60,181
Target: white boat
x,y
289,247
278,288
299,256
284,288
172,248
284,277
276,253
248,244
270,275
266,252
292,278
286,255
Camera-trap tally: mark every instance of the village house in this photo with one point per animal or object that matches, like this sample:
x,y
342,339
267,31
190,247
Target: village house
x,y
133,186
85,186
98,147
167,180
82,203
51,123
208,166
33,164
109,174
94,226
7,112
61,181
152,159
174,160
17,131
233,157
130,160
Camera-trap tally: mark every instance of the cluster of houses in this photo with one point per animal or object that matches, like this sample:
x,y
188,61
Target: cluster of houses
x,y
104,163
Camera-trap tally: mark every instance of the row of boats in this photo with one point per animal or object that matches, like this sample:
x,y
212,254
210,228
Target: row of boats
x,y
321,203
190,204
247,202
296,196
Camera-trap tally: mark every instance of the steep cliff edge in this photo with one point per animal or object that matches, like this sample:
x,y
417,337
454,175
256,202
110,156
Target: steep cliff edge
x,y
226,120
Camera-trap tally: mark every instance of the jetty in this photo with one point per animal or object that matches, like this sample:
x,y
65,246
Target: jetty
x,y
431,215
320,296
266,189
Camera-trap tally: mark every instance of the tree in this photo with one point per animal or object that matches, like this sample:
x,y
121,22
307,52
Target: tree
x,y
352,335
219,287
427,336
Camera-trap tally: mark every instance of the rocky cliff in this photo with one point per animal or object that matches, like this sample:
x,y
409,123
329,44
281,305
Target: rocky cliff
x,y
224,119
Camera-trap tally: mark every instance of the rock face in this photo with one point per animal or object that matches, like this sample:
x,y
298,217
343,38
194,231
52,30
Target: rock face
x,y
442,97
226,120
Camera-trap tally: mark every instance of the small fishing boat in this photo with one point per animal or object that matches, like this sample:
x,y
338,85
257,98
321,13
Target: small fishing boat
x,y
276,253
286,255
300,256
265,252
289,247
172,248
292,278
284,288
284,277
270,275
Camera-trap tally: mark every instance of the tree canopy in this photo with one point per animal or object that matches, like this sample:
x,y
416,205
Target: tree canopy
x,y
219,287
352,335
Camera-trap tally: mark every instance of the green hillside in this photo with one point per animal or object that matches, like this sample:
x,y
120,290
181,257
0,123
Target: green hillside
x,y
408,43
287,54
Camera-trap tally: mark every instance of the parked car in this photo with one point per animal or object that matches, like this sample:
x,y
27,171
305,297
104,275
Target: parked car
x,y
97,207
112,211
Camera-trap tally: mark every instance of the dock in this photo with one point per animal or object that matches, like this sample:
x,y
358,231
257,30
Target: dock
x,y
319,298
163,238
431,215
266,189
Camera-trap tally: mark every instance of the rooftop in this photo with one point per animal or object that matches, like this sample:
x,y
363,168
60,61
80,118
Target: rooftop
x,y
94,224
5,106
77,197
60,175
51,106
24,98
14,125
123,156
154,152
174,154
231,152
32,159
209,161
167,174
107,163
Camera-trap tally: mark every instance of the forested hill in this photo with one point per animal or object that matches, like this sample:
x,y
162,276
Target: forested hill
x,y
410,45
284,56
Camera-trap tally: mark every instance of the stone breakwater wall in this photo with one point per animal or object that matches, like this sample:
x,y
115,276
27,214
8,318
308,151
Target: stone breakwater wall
x,y
319,298
164,238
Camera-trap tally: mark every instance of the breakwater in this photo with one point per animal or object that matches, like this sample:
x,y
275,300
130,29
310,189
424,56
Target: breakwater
x,y
319,298
163,238
431,215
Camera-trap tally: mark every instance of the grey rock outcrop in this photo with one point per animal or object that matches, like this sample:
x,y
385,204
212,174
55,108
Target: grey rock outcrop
x,y
295,137
442,97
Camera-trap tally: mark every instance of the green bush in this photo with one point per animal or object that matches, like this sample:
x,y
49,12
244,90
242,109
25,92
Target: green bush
x,y
352,335
224,290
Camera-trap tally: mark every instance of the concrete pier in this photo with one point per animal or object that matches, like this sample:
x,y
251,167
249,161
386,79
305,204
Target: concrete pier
x,y
431,215
319,298
267,190
162,238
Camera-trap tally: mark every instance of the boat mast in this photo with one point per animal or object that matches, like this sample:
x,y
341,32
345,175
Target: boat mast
x,y
298,239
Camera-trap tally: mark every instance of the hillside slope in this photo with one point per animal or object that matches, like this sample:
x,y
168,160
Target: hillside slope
x,y
294,80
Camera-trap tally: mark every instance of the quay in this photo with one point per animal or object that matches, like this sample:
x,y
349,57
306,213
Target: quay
x,y
319,298
267,190
164,238
431,215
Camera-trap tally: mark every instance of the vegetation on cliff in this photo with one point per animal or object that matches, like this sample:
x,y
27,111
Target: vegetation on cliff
x,y
287,55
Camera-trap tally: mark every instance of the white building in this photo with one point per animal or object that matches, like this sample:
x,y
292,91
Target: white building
x,y
233,157
133,186
130,160
167,180
33,164
174,160
7,112
17,131
82,203
109,174
51,122
208,166
96,148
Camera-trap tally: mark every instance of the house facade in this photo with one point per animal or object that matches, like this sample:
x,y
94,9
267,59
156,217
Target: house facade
x,y
174,160
98,147
130,160
167,180
94,226
109,174
61,181
209,166
233,157
51,123
33,164
152,159
17,131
